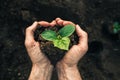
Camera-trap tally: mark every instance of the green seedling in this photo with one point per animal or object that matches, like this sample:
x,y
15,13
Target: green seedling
x,y
60,39
116,27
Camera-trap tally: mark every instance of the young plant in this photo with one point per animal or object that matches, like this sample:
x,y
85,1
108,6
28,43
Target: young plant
x,y
116,27
60,39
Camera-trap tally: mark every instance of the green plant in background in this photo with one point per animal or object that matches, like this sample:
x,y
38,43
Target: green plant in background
x,y
60,39
116,27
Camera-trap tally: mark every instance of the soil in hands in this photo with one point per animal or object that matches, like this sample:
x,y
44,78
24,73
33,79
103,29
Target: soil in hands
x,y
54,54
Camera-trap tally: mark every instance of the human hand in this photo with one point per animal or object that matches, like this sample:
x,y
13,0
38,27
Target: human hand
x,y
67,67
42,67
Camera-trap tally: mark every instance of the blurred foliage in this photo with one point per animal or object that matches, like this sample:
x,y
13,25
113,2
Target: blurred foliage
x,y
116,27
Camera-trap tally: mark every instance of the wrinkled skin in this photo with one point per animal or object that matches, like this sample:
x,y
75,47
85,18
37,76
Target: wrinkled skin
x,y
39,60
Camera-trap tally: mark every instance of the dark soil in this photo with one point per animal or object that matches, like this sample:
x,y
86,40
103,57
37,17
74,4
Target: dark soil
x,y
54,54
96,17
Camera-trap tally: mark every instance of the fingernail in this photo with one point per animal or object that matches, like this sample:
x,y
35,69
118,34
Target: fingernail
x,y
77,25
35,21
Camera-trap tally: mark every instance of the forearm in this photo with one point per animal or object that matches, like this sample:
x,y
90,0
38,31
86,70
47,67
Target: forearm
x,y
68,73
41,72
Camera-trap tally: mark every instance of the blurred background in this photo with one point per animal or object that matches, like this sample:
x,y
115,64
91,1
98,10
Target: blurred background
x,y
97,17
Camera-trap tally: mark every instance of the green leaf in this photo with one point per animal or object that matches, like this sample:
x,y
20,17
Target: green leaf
x,y
116,27
62,43
49,35
116,24
66,31
115,31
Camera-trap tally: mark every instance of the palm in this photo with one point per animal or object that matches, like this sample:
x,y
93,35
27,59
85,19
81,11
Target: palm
x,y
32,46
73,55
77,51
36,54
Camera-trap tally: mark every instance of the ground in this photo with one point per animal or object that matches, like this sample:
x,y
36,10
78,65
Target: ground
x,y
96,17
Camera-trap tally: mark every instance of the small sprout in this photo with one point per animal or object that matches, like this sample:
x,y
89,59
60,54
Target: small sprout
x,y
60,39
116,27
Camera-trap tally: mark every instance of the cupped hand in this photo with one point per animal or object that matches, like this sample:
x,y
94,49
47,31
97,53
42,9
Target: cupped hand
x,y
76,52
72,56
32,46
41,66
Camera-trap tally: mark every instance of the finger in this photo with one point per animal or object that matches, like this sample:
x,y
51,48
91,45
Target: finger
x,y
44,23
68,22
53,23
63,22
59,21
30,31
83,38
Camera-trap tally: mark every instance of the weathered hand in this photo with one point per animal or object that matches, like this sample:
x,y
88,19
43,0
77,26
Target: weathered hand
x,y
33,47
42,68
67,67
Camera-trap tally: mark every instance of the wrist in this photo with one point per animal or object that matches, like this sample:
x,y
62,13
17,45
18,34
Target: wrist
x,y
66,72
62,66
41,71
66,65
